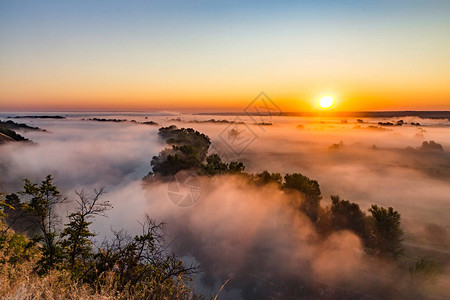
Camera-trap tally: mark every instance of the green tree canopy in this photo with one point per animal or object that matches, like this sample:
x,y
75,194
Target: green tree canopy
x,y
189,150
309,188
347,215
386,233
43,199
265,178
76,237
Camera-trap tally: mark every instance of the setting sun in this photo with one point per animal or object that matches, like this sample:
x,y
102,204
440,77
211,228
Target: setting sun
x,y
326,102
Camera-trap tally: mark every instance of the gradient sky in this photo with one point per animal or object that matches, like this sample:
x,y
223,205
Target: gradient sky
x,y
205,55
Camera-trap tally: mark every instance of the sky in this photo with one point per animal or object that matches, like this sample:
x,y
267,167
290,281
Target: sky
x,y
218,56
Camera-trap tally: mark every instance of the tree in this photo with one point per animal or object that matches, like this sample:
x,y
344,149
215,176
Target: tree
x,y
347,215
76,237
236,167
431,146
311,191
12,212
188,152
424,269
386,234
265,177
44,198
214,165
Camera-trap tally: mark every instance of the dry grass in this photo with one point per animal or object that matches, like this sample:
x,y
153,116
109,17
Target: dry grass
x,y
19,281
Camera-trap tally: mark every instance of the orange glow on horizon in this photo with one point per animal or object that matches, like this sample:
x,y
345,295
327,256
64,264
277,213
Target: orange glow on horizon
x,y
107,98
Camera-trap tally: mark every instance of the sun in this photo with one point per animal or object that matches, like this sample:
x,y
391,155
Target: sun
x,y
326,102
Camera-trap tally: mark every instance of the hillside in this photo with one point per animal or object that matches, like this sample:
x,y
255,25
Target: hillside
x,y
19,126
8,135
4,138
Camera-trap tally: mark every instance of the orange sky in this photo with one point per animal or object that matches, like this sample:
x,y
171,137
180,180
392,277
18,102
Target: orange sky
x,y
202,98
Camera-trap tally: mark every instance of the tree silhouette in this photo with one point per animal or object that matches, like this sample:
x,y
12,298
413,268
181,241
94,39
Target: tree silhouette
x,y
386,234
347,215
311,191
188,151
265,177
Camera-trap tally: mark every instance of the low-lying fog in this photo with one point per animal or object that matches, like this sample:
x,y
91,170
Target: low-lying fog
x,y
236,231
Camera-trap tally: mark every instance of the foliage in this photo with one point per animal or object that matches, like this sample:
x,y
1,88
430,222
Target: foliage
x,y
386,234
215,166
3,205
380,232
76,238
265,177
18,279
189,150
140,262
16,248
44,198
311,191
431,146
424,269
348,215
236,167
125,267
